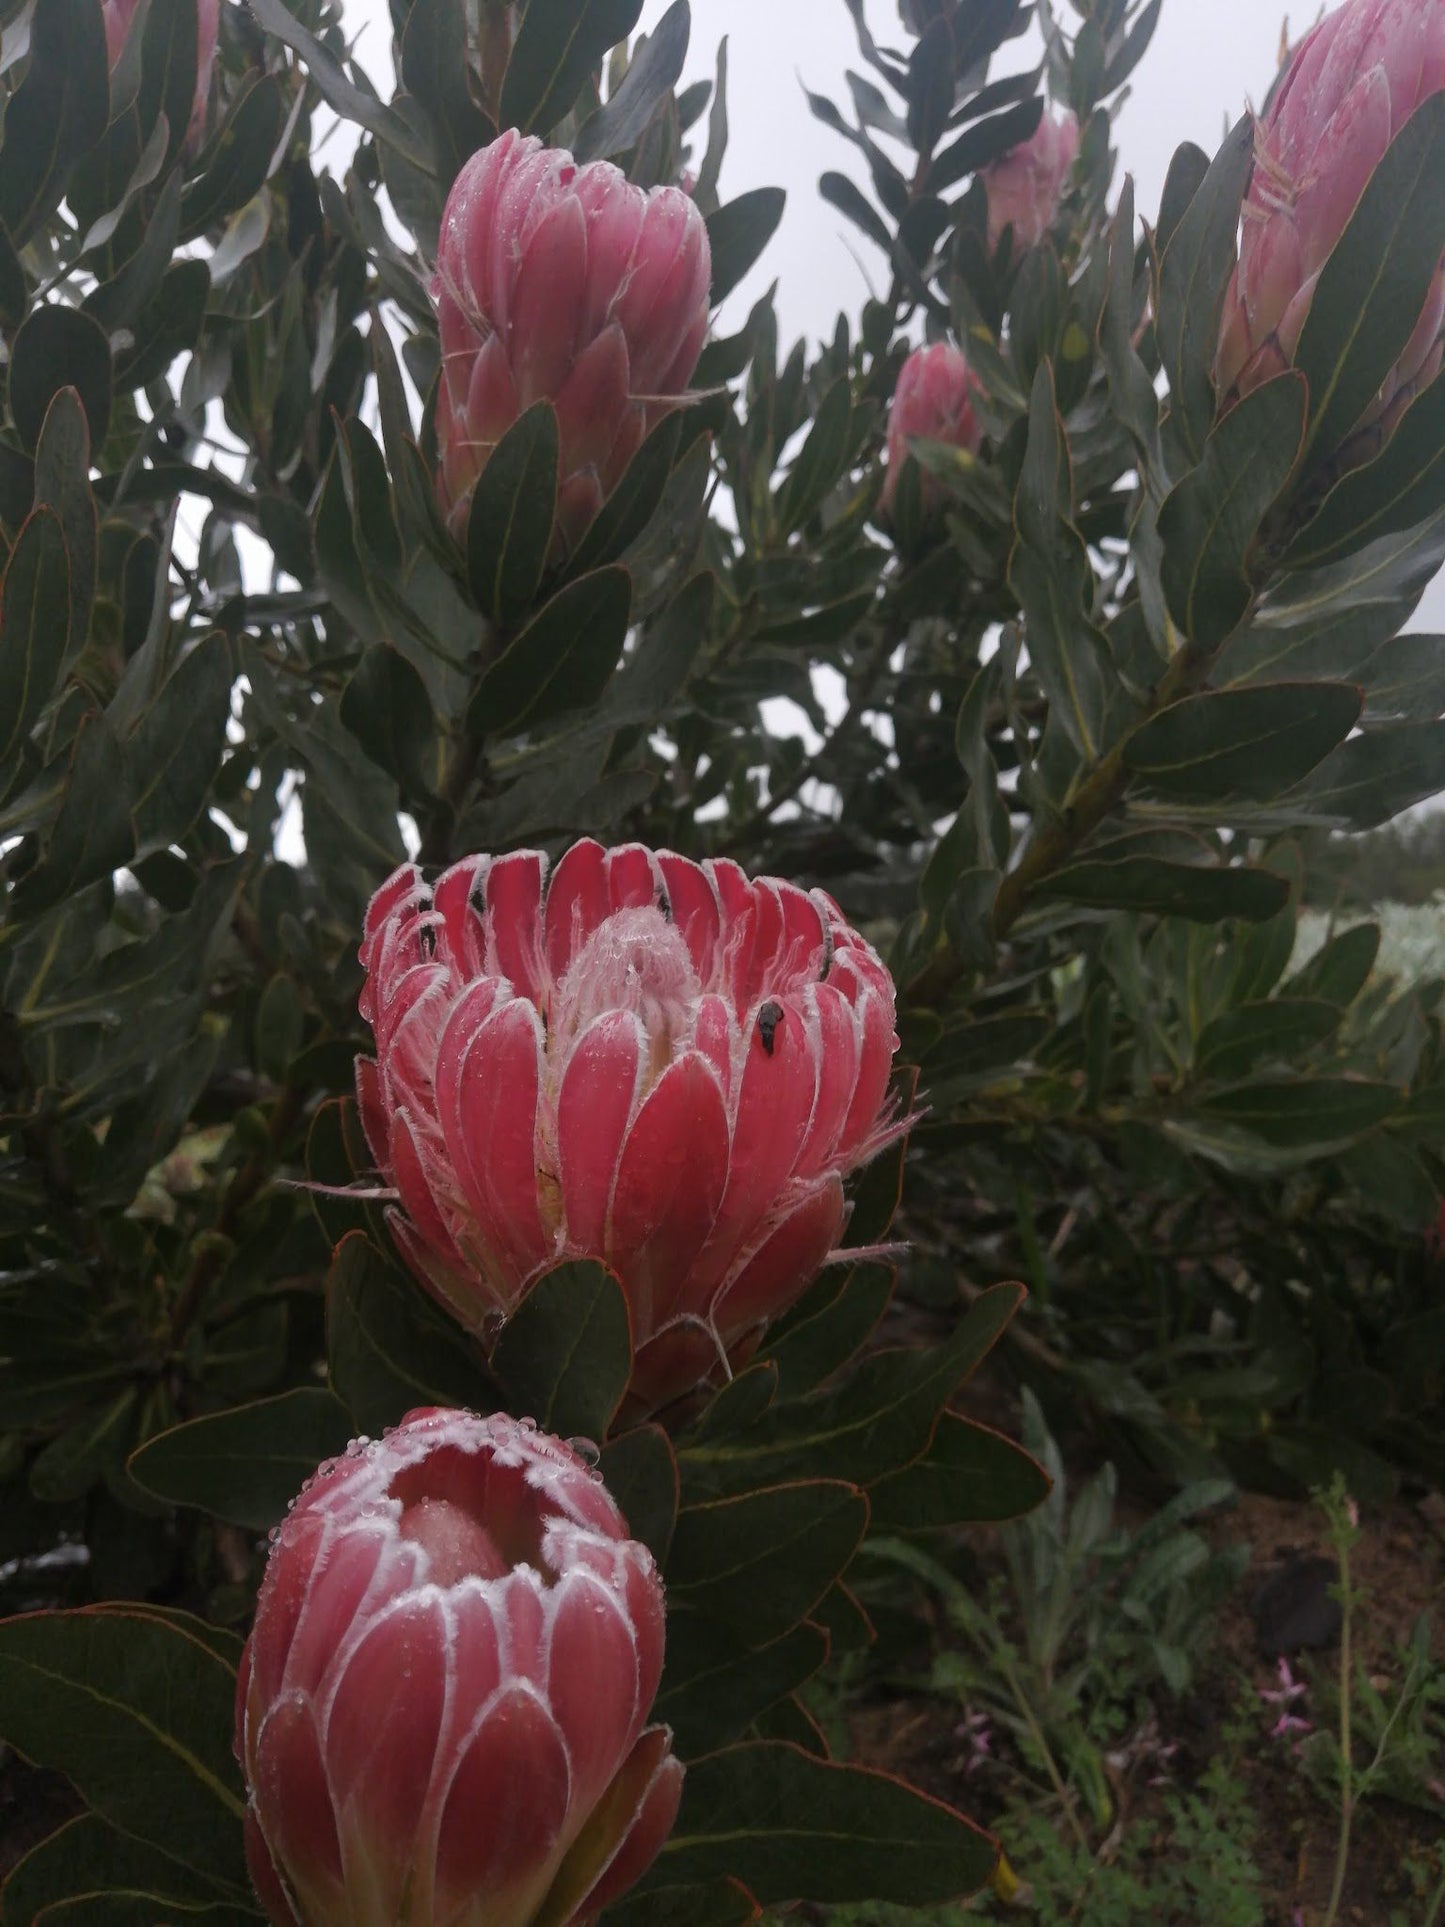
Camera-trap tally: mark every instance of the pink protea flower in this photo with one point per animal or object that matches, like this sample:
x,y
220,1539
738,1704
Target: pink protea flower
x,y
933,399
562,283
645,1060
1024,185
440,1710
1351,85
118,15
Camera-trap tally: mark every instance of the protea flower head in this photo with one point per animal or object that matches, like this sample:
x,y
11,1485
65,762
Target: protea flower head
x,y
642,1059
118,15
1351,85
567,284
1024,186
440,1710
933,399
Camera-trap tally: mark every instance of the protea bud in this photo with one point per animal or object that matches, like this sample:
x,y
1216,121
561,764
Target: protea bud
x,y
647,1060
562,283
933,399
1024,185
1352,83
118,15
440,1710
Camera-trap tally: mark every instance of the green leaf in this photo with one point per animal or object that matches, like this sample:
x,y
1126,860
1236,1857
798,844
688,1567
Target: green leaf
x,y
1300,1111
71,1463
969,1475
1405,680
389,1348
169,325
722,1904
1340,969
434,68
387,710
62,482
1234,1043
59,347
558,44
565,1354
1373,777
137,1710
640,1472
1205,893
1192,278
632,504
656,670
878,1418
1209,522
169,54
248,1464
850,200
233,169
821,460
509,525
759,1563
562,660
711,1694
738,232
175,750
34,626
58,113
1374,284
87,1871
1050,573
1404,485
793,1827
93,834
1256,742
985,141
339,93
653,71
812,1348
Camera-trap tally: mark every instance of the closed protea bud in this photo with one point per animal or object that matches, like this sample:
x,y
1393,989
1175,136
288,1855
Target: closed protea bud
x,y
645,1060
440,1710
118,15
1024,185
1352,83
567,284
933,400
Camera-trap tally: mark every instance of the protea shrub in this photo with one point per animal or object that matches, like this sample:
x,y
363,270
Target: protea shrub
x,y
651,1061
1025,185
1350,86
932,401
566,284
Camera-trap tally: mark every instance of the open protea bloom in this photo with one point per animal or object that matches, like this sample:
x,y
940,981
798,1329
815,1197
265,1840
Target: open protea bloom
x,y
440,1710
1024,186
118,15
567,284
646,1060
1351,85
933,399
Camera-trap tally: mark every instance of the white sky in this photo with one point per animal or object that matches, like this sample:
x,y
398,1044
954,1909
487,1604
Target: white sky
x,y
1208,59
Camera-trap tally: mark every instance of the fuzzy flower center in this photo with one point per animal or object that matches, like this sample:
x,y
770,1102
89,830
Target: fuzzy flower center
x,y
634,960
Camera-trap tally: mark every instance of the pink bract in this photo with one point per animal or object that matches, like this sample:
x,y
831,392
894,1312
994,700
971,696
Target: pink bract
x,y
933,399
118,15
1025,185
441,1709
642,1059
566,284
1351,85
